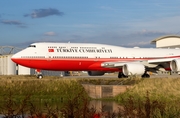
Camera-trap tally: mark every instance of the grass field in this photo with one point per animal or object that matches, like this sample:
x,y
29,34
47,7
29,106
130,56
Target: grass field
x,y
147,98
158,88
50,88
165,89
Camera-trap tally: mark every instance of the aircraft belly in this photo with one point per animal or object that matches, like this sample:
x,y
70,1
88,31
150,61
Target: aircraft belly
x,y
71,64
56,64
64,65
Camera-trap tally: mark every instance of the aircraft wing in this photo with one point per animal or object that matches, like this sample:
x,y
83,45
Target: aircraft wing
x,y
156,61
148,63
113,64
117,64
141,66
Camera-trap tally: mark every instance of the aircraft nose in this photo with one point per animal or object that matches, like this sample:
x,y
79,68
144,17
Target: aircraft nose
x,y
14,57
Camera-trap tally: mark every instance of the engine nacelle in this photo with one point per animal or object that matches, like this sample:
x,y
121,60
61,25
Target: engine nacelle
x,y
133,69
96,73
175,65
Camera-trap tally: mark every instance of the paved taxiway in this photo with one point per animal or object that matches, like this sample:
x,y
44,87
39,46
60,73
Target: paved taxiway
x,y
115,76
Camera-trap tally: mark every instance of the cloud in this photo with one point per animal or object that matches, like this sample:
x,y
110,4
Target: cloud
x,y
142,38
84,26
11,22
14,22
39,13
148,33
134,44
106,8
50,34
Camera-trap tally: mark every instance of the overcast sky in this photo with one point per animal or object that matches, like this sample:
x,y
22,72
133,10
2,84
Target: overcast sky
x,y
126,23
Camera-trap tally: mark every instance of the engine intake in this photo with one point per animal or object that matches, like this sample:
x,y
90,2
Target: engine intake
x,y
175,65
133,69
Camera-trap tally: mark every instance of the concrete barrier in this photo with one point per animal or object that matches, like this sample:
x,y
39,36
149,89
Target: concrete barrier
x,y
104,91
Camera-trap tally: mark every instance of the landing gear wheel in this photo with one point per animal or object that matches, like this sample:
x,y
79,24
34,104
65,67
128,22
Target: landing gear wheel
x,y
121,75
40,76
146,75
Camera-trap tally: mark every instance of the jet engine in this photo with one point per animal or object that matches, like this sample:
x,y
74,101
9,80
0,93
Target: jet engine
x,y
96,73
133,69
175,65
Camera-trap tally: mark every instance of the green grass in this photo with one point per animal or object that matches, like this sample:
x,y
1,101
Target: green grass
x,y
157,97
147,98
51,89
164,89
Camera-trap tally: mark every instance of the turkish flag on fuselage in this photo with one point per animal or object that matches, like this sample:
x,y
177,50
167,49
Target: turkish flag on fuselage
x,y
51,50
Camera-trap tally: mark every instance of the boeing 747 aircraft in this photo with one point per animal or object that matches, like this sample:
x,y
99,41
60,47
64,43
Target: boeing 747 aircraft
x,y
97,59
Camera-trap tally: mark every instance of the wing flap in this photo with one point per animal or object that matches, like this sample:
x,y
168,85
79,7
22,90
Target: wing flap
x,y
116,64
113,64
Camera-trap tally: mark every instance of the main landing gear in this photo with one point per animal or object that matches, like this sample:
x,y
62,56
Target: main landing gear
x,y
121,75
145,75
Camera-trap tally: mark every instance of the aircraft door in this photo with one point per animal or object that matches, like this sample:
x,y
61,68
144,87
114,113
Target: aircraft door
x,y
96,57
48,56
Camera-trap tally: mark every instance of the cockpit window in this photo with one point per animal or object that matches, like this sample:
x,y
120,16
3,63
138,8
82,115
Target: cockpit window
x,y
32,46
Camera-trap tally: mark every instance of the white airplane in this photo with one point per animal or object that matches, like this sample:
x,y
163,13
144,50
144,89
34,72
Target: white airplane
x,y
97,59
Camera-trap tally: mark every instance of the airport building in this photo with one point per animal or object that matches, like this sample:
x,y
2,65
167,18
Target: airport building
x,y
7,66
170,41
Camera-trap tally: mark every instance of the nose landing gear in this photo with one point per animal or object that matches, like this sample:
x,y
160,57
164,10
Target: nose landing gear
x,y
39,74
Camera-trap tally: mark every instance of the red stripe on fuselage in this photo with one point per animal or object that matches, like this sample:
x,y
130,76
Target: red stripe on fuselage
x,y
69,64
